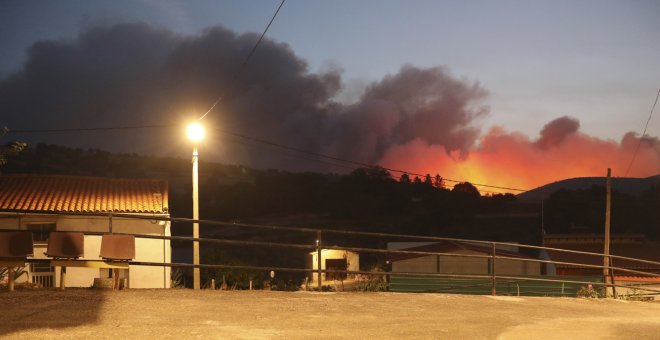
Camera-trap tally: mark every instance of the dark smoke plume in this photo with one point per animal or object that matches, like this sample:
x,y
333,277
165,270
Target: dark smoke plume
x,y
555,132
132,74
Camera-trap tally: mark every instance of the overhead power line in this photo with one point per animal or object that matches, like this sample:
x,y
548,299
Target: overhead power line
x,y
266,142
361,164
639,143
127,127
297,156
344,166
247,59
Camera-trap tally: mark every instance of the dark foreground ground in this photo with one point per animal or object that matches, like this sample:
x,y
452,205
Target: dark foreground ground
x,y
155,314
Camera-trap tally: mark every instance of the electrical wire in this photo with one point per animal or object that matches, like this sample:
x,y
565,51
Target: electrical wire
x,y
128,127
352,168
639,143
361,164
273,144
247,59
244,143
260,141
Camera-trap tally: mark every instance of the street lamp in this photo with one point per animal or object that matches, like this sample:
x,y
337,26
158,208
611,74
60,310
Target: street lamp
x,y
195,132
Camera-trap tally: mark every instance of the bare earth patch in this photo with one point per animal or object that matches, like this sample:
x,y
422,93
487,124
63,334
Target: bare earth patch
x,y
180,313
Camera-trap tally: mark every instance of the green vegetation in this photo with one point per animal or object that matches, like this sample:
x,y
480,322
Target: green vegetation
x,y
372,283
177,278
18,272
231,278
9,149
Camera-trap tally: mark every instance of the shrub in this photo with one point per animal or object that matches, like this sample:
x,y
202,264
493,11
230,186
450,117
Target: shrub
x,y
372,282
589,292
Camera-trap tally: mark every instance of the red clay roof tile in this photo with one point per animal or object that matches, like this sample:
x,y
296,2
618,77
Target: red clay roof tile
x,y
56,193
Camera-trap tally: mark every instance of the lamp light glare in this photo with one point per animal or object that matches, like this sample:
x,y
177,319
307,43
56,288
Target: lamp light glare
x,y
195,132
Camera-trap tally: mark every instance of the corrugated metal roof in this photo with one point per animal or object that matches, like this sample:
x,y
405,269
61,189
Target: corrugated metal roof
x,y
56,193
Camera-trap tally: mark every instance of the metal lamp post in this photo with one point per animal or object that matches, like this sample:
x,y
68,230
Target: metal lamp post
x,y
195,133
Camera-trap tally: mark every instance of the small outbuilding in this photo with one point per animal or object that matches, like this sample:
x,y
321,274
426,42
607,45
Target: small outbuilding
x,y
333,259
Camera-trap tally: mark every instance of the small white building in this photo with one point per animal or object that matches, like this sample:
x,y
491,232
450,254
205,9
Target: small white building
x,y
46,203
333,259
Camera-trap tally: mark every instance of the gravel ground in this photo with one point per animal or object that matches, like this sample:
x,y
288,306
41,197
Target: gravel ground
x,y
182,313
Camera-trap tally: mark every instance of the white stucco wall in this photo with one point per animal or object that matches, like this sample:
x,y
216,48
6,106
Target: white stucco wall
x,y
352,259
146,250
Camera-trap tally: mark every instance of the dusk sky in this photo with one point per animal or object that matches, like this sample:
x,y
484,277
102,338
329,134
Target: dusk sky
x,y
520,64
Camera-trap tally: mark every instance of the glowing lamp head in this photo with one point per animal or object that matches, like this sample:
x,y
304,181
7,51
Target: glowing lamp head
x,y
195,132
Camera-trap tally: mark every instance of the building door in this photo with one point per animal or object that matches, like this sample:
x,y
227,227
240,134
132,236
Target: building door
x,y
336,264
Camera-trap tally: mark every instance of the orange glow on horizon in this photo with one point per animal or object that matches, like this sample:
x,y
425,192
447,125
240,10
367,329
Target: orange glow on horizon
x,y
513,160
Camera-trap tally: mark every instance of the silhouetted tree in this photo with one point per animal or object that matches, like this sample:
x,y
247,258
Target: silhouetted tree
x,y
466,188
10,149
438,182
404,178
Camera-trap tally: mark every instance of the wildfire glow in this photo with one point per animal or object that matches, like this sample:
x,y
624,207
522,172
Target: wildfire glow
x,y
512,159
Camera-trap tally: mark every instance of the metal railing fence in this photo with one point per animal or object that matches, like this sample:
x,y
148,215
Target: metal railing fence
x,y
318,246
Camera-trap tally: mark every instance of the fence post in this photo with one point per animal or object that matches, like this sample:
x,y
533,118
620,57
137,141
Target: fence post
x,y
63,277
492,270
10,279
318,259
612,277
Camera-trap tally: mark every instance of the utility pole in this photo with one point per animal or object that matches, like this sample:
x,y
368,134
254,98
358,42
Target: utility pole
x,y
195,133
608,205
195,181
542,223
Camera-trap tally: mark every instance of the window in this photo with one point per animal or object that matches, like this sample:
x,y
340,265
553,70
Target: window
x,y
41,268
40,231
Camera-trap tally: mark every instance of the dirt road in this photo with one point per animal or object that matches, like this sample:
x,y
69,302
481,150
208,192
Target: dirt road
x,y
156,314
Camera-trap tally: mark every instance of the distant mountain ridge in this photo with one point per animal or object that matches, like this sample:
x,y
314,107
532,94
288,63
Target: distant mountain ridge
x,y
627,185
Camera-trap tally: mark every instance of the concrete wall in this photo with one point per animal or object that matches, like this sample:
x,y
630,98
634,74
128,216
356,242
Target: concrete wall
x,y
514,267
464,265
424,264
147,250
352,259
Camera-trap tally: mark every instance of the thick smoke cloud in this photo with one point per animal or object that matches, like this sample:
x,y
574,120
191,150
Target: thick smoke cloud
x,y
428,104
424,120
133,74
556,132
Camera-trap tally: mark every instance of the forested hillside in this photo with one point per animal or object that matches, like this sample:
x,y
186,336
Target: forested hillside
x,y
365,199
